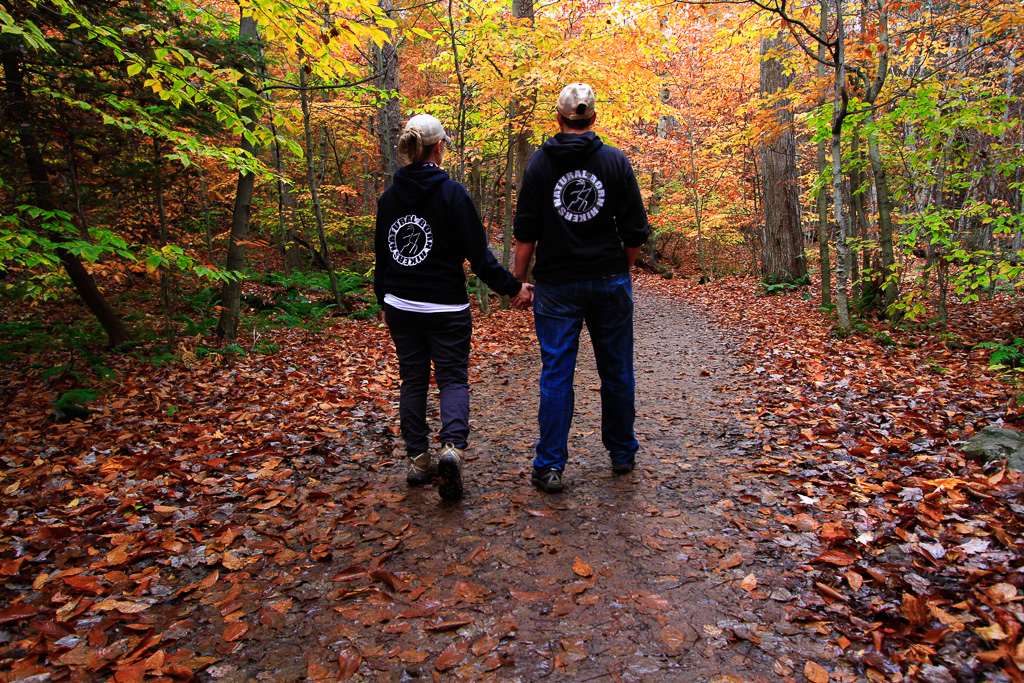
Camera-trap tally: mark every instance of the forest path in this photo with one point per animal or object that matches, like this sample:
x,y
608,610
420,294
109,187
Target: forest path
x,y
620,578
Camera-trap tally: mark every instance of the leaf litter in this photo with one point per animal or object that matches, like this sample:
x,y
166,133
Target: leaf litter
x,y
806,491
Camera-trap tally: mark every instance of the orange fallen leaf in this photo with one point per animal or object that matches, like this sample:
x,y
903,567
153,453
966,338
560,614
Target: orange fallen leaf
x,y
731,560
527,597
581,568
232,562
121,606
208,581
673,637
349,662
835,557
816,673
749,583
451,656
235,631
316,672
484,646
413,656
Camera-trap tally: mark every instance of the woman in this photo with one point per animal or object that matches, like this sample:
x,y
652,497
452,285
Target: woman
x,y
427,227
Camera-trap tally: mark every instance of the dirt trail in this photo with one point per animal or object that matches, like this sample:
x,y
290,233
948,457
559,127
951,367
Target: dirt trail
x,y
626,578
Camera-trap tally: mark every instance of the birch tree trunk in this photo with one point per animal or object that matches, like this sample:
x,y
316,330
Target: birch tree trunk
x,y
839,105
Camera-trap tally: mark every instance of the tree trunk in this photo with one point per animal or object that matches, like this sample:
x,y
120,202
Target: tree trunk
x,y
231,292
165,276
823,251
460,113
783,258
389,112
858,220
872,90
885,240
20,109
291,255
506,233
313,193
523,9
206,216
838,114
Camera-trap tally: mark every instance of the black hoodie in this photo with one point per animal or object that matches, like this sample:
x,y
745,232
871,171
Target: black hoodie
x,y
581,205
427,226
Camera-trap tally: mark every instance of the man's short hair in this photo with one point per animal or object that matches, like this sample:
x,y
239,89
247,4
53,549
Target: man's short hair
x,y
577,124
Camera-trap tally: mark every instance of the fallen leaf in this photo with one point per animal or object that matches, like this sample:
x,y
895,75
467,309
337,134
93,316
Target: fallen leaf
x,y
992,633
484,645
581,568
731,560
413,656
316,672
18,612
945,618
451,656
835,557
349,662
815,673
208,581
749,583
1002,592
673,637
235,631
526,597
121,606
449,625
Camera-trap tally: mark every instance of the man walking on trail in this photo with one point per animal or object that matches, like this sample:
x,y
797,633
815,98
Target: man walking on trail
x,y
580,212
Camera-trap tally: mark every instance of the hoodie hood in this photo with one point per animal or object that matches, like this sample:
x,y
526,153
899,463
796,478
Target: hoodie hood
x,y
415,182
567,148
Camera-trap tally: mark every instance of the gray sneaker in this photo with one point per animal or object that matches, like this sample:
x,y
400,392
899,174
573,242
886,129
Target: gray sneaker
x,y
449,471
421,470
547,479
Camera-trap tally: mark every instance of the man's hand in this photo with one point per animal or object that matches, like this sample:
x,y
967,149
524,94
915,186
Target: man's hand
x,y
524,298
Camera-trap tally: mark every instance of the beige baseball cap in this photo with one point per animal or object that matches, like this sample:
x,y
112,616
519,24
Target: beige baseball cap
x,y
576,101
429,128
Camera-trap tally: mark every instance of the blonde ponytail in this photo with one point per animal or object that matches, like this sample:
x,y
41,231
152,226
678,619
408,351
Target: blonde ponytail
x,y
411,146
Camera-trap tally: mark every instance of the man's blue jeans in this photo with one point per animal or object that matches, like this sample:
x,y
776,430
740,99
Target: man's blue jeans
x,y
559,311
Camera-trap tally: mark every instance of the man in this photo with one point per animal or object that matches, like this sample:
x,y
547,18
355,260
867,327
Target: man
x,y
581,214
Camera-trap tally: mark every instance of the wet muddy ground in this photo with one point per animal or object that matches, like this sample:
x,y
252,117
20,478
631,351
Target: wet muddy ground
x,y
671,573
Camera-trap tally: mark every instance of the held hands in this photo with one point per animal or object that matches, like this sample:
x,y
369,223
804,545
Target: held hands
x,y
524,298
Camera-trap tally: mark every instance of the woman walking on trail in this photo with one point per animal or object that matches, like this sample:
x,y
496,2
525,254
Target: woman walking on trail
x,y
427,227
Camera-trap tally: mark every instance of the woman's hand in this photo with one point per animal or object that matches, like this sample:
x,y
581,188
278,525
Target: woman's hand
x,y
524,298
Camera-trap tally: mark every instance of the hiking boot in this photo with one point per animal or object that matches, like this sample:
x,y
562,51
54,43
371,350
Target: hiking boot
x,y
421,470
449,471
624,467
548,479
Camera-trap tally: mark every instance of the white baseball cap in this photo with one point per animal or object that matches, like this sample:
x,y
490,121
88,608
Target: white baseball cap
x,y
576,101
429,128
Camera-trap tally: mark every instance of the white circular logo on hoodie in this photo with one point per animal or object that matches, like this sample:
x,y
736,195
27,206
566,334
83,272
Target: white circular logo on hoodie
x,y
579,195
410,240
